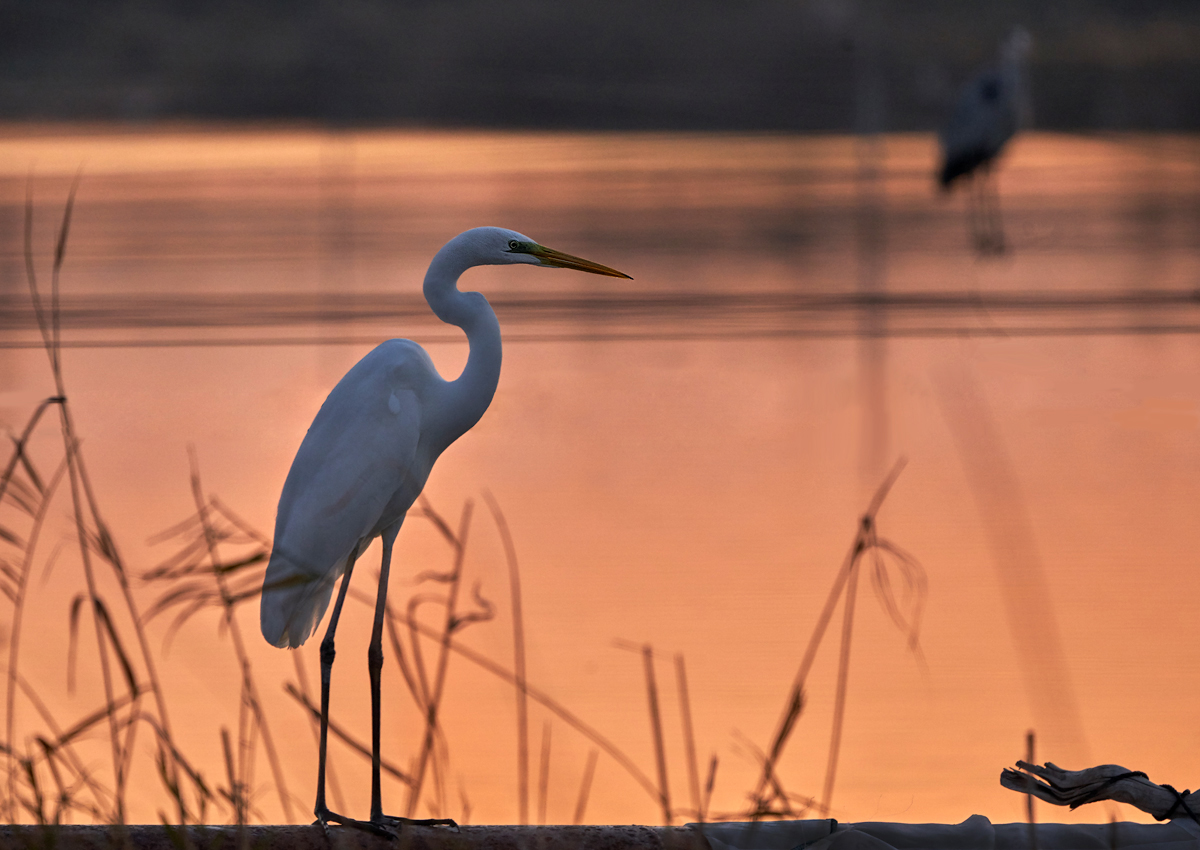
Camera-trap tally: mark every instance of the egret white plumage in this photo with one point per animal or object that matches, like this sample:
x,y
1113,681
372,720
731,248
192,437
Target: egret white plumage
x,y
366,458
990,109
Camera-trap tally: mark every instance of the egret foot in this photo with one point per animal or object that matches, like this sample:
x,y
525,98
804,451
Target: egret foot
x,y
326,816
400,822
385,826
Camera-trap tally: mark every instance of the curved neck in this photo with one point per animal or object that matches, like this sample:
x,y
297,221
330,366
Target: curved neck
x,y
472,391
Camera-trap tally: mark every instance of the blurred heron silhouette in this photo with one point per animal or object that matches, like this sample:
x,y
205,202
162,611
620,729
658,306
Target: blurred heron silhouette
x,y
366,458
990,109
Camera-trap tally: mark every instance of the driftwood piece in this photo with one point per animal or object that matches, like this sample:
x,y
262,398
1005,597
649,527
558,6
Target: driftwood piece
x,y
974,833
1073,788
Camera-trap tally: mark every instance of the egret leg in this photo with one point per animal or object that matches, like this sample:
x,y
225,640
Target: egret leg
x,y
321,810
375,668
327,655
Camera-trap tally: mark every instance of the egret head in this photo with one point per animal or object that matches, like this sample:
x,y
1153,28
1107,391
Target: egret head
x,y
498,246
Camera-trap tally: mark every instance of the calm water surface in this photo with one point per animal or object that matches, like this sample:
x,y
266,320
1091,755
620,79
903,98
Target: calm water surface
x,y
682,458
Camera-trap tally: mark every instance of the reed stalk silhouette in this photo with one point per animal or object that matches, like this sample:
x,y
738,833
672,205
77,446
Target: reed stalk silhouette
x,y
345,737
867,545
585,786
249,690
199,560
544,774
663,796
689,736
432,692
22,488
660,755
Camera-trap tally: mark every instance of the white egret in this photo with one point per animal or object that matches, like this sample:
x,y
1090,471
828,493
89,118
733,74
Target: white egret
x,y
989,111
366,458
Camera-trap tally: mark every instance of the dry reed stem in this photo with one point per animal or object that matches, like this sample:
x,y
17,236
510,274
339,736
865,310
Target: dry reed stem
x,y
779,796
249,688
843,675
62,798
390,618
514,583
14,636
709,783
585,785
459,541
19,456
464,803
660,755
1030,758
177,758
538,696
544,774
345,737
200,579
232,793
82,493
62,744
865,541
50,749
52,351
689,736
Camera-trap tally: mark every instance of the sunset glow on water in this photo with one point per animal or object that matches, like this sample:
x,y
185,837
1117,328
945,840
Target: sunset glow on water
x,y
676,471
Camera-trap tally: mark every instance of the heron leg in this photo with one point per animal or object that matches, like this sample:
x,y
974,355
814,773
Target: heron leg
x,y
375,667
976,219
983,213
995,222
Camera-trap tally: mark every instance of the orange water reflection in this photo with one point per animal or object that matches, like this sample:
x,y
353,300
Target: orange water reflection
x,y
695,494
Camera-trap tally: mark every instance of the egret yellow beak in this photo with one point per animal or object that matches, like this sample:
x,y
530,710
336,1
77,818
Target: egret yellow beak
x,y
550,257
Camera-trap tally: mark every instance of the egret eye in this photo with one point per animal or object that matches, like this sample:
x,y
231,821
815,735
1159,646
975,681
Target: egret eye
x,y
514,245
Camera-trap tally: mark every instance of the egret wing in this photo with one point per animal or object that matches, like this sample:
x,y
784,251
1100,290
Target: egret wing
x,y
359,453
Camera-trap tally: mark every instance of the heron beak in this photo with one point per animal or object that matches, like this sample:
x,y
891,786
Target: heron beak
x,y
557,259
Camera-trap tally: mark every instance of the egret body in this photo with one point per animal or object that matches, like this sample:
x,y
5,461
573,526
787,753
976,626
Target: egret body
x,y
366,458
